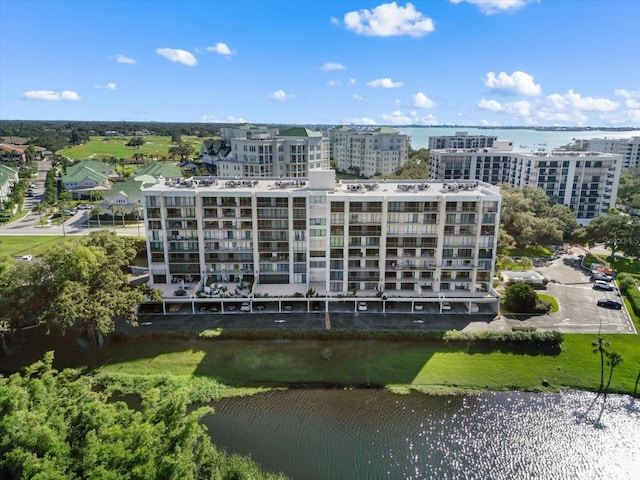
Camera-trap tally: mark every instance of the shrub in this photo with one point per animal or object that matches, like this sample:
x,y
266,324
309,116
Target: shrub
x,y
520,297
625,281
633,294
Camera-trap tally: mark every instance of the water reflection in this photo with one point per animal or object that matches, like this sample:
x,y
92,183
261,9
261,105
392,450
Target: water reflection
x,y
371,434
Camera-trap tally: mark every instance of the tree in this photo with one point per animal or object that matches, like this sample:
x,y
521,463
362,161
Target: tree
x,y
75,285
136,142
520,297
601,347
40,208
176,138
614,359
60,425
113,208
182,150
630,241
137,210
610,230
96,211
122,211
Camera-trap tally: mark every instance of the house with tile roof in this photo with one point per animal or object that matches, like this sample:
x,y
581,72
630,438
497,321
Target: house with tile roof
x,y
129,194
14,151
158,169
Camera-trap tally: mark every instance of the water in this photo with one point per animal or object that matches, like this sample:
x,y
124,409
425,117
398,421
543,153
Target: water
x,y
373,434
532,140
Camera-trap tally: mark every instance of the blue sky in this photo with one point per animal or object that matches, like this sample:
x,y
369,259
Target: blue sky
x,y
471,62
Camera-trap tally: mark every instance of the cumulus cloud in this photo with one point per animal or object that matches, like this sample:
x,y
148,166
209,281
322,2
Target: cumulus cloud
x,y
221,49
281,96
334,21
384,83
51,95
352,81
574,101
411,118
206,118
520,108
517,83
359,98
420,100
122,59
623,92
177,55
631,103
389,19
331,66
360,121
108,86
492,105
333,83
490,7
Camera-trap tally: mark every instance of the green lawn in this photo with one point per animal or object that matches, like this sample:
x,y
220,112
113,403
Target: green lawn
x,y
98,147
626,265
531,251
28,244
549,299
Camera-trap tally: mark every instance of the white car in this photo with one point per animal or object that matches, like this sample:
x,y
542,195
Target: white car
x,y
418,307
446,306
603,285
245,307
362,307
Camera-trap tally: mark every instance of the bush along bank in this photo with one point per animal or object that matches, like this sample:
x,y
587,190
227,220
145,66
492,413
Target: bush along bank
x,y
523,337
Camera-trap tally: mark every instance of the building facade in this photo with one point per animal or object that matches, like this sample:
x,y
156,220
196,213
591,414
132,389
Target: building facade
x,y
461,140
247,130
290,154
412,239
587,182
629,148
368,152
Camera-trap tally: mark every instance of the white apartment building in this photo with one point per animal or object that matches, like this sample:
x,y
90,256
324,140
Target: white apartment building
x,y
461,140
416,240
247,131
629,148
585,181
368,152
291,154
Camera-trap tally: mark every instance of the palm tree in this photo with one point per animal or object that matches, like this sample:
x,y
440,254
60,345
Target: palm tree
x,y
39,208
601,347
96,211
113,208
87,215
615,359
122,212
137,209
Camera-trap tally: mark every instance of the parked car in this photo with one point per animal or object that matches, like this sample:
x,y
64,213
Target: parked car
x,y
418,307
214,308
245,307
259,307
231,308
602,285
601,276
446,306
84,206
287,308
362,306
606,303
474,308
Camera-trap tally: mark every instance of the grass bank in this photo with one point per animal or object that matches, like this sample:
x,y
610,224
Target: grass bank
x,y
428,366
99,147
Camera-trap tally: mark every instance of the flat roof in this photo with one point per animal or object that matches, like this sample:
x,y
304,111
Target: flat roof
x,y
364,188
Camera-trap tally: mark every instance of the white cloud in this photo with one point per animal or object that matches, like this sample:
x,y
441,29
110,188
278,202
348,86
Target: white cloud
x,y
359,121
574,101
333,83
489,7
206,118
359,98
389,19
51,95
517,83
420,100
177,55
384,83
108,86
490,105
281,96
521,108
334,21
623,92
412,118
123,59
222,49
331,66
631,103
352,81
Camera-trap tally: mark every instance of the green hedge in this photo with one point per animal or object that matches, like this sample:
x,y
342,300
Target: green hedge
x,y
633,294
519,336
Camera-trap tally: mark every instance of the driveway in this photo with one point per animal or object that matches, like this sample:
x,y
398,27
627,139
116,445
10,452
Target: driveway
x,y
578,312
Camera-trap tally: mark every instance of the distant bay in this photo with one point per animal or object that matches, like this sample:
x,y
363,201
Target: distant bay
x,y
525,140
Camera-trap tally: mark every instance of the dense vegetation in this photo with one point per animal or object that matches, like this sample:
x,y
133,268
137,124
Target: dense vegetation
x,y
629,188
57,425
75,284
617,231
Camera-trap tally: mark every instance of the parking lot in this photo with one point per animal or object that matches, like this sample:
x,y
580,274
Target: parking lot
x,y
577,299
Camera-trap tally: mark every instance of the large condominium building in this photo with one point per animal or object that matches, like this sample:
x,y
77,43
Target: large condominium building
x,y
585,181
412,239
247,131
368,152
629,148
292,154
461,140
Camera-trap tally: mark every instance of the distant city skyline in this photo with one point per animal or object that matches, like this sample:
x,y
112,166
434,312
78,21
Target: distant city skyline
x,y
456,62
